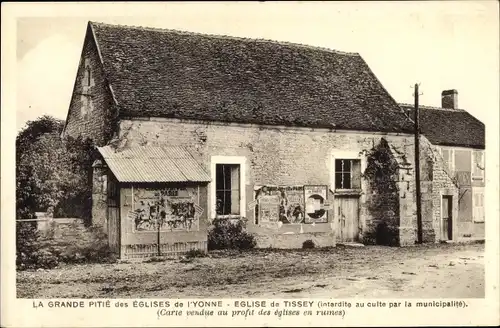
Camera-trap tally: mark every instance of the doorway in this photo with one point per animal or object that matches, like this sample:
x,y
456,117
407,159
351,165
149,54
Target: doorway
x,y
447,218
347,218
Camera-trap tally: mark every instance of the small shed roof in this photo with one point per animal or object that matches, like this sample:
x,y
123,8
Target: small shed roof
x,y
154,164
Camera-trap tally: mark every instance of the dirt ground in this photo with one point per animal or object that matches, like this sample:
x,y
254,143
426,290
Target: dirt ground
x,y
431,271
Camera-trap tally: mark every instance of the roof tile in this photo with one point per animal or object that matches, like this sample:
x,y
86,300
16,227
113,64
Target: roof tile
x,y
449,127
173,74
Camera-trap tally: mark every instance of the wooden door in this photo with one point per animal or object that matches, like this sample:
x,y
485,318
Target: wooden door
x,y
347,218
113,215
447,219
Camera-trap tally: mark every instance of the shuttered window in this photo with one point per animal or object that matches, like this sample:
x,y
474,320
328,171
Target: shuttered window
x,y
478,211
448,160
478,164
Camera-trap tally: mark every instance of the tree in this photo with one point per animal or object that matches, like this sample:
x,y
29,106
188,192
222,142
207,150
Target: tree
x,y
37,146
51,172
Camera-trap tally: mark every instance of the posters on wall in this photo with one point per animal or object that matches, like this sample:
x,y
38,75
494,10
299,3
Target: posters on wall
x,y
283,204
316,210
173,209
269,206
291,204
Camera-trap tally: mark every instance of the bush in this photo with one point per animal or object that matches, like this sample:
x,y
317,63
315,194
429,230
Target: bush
x,y
229,234
308,244
386,236
192,253
29,254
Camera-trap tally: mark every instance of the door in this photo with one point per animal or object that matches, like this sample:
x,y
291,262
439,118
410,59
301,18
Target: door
x,y
347,218
447,219
113,215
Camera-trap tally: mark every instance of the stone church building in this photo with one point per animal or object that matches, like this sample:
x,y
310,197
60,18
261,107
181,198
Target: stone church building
x,y
302,142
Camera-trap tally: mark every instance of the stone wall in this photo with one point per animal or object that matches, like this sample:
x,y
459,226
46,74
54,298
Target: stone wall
x,y
100,195
62,230
276,156
442,185
91,111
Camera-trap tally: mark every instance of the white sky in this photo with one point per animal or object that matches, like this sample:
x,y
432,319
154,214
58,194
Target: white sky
x,y
442,45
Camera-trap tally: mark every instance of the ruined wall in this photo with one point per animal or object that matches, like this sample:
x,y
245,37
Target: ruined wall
x,y
274,156
91,111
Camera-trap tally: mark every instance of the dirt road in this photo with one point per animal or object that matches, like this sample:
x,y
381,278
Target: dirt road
x,y
433,271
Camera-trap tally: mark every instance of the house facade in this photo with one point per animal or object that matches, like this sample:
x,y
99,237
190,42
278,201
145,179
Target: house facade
x,y
460,140
303,143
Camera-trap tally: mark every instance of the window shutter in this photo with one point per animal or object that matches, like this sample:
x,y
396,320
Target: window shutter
x,y
478,210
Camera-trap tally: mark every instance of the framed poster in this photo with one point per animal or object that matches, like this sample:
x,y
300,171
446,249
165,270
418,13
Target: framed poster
x,y
315,200
269,207
290,202
167,209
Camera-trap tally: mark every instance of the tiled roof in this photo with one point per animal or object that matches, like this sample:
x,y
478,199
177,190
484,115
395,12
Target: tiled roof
x,y
153,164
449,127
166,73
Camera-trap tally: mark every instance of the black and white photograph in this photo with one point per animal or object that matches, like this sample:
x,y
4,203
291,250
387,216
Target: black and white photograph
x,y
331,155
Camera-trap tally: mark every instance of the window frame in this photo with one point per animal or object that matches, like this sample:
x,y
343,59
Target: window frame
x,y
349,155
228,188
475,191
229,160
473,164
450,167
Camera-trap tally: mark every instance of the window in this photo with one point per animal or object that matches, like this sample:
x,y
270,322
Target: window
x,y
478,207
227,189
448,160
347,174
478,164
88,80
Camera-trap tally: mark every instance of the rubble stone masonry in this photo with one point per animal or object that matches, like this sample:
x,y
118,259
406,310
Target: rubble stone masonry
x,y
293,156
91,112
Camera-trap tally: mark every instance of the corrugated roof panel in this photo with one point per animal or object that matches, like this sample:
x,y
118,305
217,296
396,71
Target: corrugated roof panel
x,y
154,164
190,168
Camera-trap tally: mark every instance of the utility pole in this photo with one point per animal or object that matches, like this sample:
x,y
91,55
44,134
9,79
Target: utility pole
x,y
417,167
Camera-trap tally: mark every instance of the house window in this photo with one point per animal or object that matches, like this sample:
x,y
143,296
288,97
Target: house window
x,y
478,208
448,162
347,174
478,164
227,189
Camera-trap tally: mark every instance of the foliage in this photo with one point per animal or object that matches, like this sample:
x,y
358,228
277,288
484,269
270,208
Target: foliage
x,y
52,173
229,234
381,172
192,253
155,259
381,168
308,244
29,255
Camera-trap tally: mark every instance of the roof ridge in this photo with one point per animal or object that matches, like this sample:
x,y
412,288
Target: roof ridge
x,y
433,107
227,37
370,71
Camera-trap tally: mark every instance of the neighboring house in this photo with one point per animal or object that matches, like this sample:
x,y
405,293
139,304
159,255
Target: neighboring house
x,y
460,139
192,127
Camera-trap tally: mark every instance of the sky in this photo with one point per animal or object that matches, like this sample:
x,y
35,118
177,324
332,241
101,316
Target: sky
x,y
441,45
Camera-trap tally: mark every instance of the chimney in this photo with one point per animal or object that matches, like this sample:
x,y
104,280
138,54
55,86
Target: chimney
x,y
449,99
